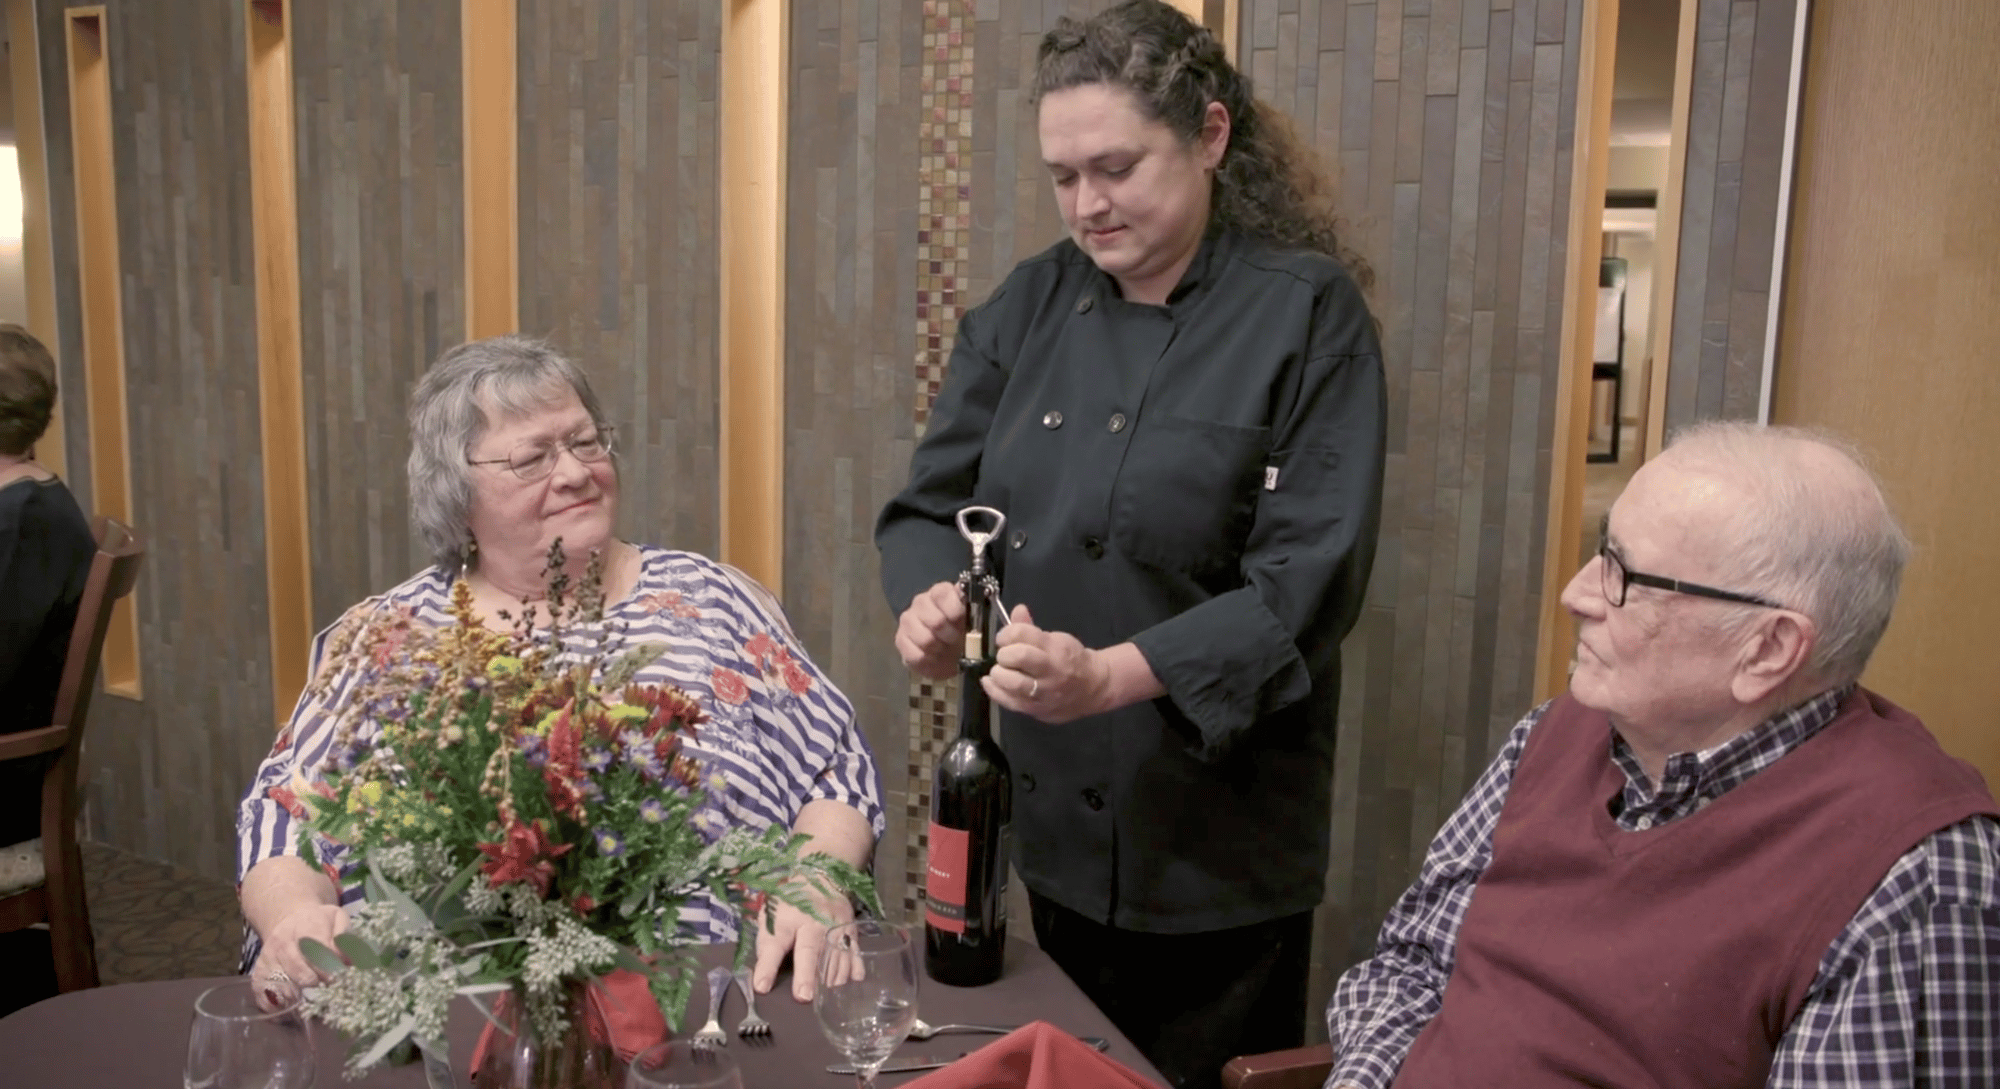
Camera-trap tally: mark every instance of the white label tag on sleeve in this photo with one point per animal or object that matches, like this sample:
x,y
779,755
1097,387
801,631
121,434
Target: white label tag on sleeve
x,y
1270,478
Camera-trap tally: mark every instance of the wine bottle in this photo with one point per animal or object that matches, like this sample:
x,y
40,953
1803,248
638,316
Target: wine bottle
x,y
965,916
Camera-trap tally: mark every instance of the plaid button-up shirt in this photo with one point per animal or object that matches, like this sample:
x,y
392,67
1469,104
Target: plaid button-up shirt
x,y
1907,995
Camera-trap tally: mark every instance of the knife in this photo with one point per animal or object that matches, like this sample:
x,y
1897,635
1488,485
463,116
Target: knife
x,y
910,1064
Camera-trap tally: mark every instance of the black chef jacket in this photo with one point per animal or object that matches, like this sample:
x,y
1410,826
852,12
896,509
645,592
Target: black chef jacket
x,y
1203,479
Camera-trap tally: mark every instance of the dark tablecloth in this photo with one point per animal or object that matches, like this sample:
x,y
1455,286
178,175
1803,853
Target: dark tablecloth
x,y
134,1036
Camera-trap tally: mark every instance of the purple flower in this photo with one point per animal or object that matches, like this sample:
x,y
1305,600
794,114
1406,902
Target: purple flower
x,y
597,761
651,811
711,823
535,749
642,753
609,843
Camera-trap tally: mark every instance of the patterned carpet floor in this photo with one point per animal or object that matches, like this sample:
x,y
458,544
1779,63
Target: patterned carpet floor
x,y
151,921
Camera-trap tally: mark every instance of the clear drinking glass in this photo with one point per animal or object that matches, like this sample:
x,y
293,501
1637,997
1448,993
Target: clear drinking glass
x,y
867,997
679,1064
233,1044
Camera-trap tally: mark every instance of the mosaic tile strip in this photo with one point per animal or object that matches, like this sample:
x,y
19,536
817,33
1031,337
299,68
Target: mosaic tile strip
x,y
944,249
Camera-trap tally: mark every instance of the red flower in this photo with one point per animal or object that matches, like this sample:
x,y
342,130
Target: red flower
x,y
797,679
524,855
283,796
564,769
728,685
584,904
762,647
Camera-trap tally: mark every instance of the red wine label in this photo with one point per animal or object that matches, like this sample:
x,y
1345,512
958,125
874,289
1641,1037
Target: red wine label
x,y
944,887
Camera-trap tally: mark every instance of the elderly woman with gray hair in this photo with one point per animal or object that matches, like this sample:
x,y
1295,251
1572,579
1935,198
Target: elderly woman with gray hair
x,y
510,451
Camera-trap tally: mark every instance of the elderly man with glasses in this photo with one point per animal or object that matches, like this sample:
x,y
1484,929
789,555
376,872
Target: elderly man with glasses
x,y
1718,860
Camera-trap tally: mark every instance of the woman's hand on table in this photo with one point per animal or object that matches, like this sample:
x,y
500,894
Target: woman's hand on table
x,y
282,968
1053,677
931,633
804,937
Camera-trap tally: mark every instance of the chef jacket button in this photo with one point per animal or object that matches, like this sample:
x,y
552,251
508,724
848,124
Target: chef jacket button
x,y
1084,304
1117,422
1052,420
1020,538
1092,798
1027,782
1093,548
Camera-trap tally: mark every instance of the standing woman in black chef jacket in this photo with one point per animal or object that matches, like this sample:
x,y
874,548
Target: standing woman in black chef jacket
x,y
1180,409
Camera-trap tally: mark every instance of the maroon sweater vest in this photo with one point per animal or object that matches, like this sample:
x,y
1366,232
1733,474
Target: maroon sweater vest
x,y
1677,956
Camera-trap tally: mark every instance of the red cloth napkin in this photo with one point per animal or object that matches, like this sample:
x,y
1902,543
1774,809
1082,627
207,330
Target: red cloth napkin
x,y
1034,1056
618,1007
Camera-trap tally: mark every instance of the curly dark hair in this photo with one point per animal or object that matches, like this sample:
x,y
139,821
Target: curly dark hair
x,y
27,390
1269,185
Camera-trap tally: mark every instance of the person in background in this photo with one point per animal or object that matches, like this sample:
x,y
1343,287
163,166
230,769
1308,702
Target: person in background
x,y
46,548
509,452
1717,861
1180,409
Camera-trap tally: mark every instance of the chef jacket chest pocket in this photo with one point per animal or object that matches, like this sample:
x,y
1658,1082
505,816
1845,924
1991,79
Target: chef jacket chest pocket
x,y
1187,493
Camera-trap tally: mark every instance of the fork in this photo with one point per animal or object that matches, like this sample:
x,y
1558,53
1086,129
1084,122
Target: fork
x,y
753,1023
711,1034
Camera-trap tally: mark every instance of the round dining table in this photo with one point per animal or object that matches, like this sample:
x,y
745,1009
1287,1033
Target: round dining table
x,y
134,1035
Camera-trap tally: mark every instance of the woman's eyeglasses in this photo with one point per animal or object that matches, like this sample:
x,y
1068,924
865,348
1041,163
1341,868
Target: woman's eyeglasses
x,y
532,461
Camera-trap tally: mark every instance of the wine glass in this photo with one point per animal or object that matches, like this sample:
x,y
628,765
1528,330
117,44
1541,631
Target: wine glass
x,y
235,1044
681,1064
867,997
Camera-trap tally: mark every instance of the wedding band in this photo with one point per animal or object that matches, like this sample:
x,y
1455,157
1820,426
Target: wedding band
x,y
1034,686
277,975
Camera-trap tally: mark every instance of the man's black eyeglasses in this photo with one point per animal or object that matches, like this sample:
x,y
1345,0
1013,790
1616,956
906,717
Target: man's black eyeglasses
x,y
1619,578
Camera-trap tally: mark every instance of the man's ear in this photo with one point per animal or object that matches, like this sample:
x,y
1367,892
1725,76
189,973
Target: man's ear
x,y
1775,651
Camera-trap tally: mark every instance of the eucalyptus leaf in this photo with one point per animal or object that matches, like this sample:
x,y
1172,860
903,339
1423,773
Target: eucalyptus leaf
x,y
397,1033
413,915
358,952
322,958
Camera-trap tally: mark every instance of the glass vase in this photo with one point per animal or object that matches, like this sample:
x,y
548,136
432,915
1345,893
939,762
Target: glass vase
x,y
514,1056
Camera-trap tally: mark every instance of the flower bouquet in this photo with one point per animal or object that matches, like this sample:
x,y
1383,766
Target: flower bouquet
x,y
525,819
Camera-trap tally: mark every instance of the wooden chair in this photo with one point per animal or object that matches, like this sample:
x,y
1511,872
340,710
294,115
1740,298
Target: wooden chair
x,y
1297,1068
58,900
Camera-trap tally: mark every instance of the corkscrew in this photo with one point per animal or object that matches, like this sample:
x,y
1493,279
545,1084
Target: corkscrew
x,y
977,583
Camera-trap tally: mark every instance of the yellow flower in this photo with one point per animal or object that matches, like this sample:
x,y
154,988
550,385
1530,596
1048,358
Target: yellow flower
x,y
503,666
366,796
625,712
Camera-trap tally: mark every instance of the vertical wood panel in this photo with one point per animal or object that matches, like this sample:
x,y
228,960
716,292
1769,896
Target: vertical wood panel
x,y
162,777
380,125
274,223
492,201
854,244
1730,201
1452,126
1557,637
99,273
1889,316
1666,258
619,213
752,184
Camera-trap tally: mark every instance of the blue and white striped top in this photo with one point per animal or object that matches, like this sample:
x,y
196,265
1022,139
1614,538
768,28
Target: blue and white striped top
x,y
779,732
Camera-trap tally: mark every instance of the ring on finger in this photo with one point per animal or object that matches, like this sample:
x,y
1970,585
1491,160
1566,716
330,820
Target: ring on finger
x,y
277,975
1034,687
